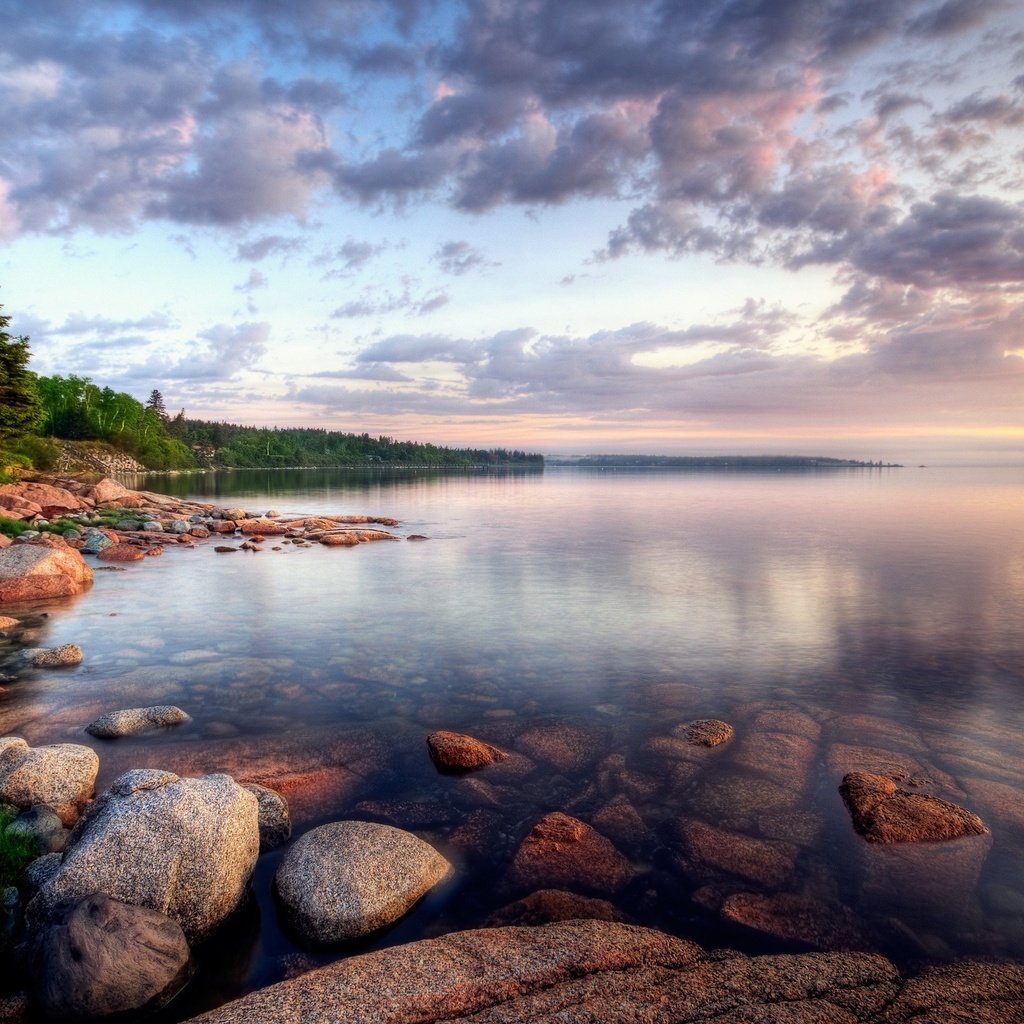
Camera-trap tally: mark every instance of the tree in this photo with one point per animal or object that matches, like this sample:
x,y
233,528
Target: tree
x,y
19,401
156,403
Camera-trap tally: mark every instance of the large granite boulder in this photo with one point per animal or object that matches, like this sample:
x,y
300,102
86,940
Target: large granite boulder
x,y
102,957
134,720
41,572
583,971
107,490
185,847
349,878
61,776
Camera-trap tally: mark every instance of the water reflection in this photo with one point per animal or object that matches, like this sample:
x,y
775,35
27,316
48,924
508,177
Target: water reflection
x,y
577,620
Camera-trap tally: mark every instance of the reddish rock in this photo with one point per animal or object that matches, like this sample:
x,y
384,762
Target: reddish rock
x,y
107,490
546,906
200,532
223,526
224,549
55,499
339,540
705,732
561,851
266,527
40,572
844,758
16,507
883,813
734,797
121,553
791,916
620,821
478,834
1003,803
787,720
456,752
765,861
782,757
567,747
5,541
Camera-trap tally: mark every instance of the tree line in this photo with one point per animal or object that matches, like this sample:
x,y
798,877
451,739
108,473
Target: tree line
x,y
36,408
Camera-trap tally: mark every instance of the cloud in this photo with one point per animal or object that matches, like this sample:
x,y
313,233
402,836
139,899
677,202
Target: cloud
x,y
374,303
220,353
258,249
459,257
348,258
255,281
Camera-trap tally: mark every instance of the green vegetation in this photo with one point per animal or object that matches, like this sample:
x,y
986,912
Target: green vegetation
x,y
19,397
17,851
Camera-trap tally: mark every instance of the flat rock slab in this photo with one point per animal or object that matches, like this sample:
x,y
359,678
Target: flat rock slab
x,y
585,971
349,878
135,720
883,813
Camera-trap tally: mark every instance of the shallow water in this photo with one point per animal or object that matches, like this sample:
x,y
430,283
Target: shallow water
x,y
576,618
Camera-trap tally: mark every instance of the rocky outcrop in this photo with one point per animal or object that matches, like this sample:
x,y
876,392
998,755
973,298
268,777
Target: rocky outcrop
x,y
456,752
61,776
350,878
883,813
185,847
41,571
275,823
135,720
563,852
618,974
103,957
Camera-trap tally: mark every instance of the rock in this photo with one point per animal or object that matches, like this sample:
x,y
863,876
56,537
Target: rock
x,y
61,775
275,823
261,526
563,852
103,957
107,490
340,540
567,747
16,507
782,757
787,720
54,501
56,657
6,622
223,526
455,752
96,541
620,821
234,514
791,916
186,847
547,906
882,813
705,732
223,549
135,720
768,862
350,878
580,971
42,824
121,553
41,572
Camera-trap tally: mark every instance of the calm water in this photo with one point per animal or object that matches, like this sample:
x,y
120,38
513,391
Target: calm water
x,y
577,618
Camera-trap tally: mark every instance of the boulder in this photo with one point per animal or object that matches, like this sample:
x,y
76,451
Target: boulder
x,y
42,824
546,906
262,526
107,490
792,916
56,657
350,878
565,746
768,862
274,821
579,971
41,572
563,852
121,553
185,847
340,540
134,720
705,732
883,813
102,957
53,500
455,752
782,757
61,775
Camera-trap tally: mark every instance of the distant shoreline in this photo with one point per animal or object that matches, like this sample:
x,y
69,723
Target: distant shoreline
x,y
717,462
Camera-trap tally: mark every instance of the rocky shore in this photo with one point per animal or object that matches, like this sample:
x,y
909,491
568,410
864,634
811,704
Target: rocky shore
x,y
146,853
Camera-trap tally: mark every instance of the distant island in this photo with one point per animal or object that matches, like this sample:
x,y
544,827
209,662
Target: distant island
x,y
718,462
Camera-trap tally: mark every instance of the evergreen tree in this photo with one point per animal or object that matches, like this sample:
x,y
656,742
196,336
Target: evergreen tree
x,y
19,400
156,403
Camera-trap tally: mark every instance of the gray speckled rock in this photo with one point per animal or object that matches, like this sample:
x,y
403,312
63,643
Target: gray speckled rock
x,y
104,957
184,847
275,822
134,720
42,824
57,657
349,878
61,775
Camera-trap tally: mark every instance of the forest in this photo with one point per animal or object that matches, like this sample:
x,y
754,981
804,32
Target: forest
x,y
37,410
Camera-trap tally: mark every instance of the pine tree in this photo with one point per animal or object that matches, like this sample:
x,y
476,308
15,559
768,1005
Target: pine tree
x,y
20,410
156,403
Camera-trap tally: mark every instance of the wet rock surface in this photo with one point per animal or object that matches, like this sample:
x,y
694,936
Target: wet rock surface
x,y
584,971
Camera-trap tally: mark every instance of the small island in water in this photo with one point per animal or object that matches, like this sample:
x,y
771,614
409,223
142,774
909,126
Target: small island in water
x,y
717,462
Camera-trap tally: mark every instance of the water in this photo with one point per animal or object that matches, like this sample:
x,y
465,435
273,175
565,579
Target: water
x,y
577,618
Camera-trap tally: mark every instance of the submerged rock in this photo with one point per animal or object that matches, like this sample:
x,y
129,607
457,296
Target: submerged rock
x,y
455,752
705,732
349,878
547,906
103,957
135,720
57,657
275,824
883,813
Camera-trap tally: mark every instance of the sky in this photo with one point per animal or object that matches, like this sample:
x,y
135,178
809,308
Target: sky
x,y
571,226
